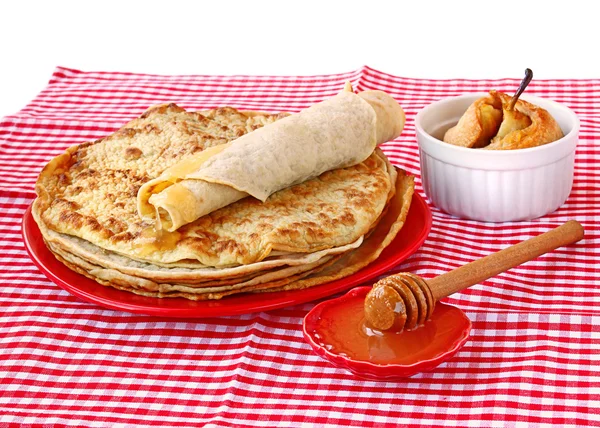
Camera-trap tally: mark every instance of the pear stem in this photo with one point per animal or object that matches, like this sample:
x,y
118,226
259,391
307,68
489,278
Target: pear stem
x,y
522,86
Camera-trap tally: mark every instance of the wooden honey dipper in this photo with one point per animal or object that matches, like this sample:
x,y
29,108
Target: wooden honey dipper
x,y
406,300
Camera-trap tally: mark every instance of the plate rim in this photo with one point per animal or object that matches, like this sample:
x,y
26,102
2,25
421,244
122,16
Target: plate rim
x,y
206,308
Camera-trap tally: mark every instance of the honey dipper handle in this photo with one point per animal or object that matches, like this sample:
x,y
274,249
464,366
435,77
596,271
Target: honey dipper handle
x,y
489,266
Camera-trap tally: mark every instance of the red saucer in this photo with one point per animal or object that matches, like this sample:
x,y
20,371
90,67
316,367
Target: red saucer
x,y
336,331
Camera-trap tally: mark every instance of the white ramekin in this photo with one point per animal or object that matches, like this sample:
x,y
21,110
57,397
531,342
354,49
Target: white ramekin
x,y
494,185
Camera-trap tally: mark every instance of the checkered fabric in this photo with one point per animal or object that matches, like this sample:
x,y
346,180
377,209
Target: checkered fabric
x,y
532,359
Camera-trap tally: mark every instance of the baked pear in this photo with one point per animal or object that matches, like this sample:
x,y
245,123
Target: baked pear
x,y
478,125
512,120
500,122
524,126
497,122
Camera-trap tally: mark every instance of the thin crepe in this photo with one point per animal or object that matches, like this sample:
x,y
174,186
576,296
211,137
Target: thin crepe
x,y
339,132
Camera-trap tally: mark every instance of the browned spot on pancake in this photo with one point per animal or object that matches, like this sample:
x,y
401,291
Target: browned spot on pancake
x,y
78,163
124,133
199,243
122,237
151,129
92,223
302,191
66,204
347,218
72,218
133,190
75,190
315,233
161,109
353,193
115,225
291,234
133,153
88,173
370,163
228,245
64,179
186,129
84,146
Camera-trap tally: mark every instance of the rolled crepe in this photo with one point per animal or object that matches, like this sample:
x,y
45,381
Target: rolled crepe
x,y
336,133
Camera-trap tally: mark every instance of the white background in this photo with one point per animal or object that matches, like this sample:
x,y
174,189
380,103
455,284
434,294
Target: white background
x,y
445,39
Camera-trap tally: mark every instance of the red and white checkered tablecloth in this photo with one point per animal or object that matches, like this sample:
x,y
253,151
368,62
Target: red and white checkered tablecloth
x,y
534,354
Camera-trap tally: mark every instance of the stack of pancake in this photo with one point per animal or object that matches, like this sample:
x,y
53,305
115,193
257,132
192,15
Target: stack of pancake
x,y
142,211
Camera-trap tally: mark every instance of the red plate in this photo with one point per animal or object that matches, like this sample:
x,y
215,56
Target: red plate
x,y
408,240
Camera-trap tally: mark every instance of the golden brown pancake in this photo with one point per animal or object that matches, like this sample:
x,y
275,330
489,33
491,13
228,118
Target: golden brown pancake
x,y
310,233
90,192
323,270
